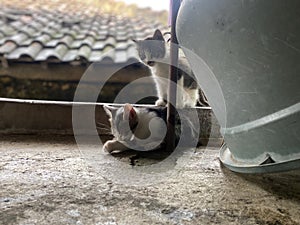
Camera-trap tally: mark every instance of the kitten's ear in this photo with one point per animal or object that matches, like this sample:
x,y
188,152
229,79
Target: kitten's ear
x,y
110,110
130,115
129,112
158,35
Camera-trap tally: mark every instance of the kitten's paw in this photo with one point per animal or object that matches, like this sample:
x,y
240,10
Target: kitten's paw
x,y
109,146
160,102
114,146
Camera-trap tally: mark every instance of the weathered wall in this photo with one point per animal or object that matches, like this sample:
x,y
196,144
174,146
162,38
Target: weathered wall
x,y
25,116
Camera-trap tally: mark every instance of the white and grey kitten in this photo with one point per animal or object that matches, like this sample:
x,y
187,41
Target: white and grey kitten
x,y
155,53
129,123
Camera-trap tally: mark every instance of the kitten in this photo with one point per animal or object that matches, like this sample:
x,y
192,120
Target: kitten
x,y
155,53
130,124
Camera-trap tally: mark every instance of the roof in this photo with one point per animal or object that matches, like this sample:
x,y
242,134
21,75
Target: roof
x,y
37,35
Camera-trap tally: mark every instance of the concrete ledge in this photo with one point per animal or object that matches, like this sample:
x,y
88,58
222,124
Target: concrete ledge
x,y
20,116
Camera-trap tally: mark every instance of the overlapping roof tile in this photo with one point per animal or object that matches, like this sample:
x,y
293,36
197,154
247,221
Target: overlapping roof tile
x,y
42,35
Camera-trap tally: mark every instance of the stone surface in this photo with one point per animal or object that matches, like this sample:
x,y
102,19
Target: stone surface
x,y
46,180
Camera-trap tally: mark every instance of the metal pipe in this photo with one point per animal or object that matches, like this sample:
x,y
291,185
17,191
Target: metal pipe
x,y
172,93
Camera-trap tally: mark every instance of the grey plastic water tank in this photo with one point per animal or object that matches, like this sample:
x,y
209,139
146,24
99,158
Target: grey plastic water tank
x,y
252,48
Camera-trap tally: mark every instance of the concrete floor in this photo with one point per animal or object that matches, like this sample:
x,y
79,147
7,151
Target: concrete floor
x,y
46,180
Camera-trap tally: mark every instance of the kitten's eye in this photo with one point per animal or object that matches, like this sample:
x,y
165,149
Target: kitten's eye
x,y
150,63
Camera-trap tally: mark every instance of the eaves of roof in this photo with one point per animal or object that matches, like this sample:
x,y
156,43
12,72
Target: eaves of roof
x,y
55,36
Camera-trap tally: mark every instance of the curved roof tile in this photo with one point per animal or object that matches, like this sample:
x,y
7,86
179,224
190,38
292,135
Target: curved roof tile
x,y
85,52
42,35
30,51
18,38
8,47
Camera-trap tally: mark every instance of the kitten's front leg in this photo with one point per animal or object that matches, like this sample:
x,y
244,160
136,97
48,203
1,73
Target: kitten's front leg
x,y
162,89
114,145
160,102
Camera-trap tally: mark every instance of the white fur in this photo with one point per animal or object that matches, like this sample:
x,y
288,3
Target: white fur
x,y
155,125
185,97
146,120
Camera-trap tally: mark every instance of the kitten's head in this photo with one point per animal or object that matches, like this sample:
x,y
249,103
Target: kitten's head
x,y
123,120
151,49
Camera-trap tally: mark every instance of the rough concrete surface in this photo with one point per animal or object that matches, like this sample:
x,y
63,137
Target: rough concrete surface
x,y
46,180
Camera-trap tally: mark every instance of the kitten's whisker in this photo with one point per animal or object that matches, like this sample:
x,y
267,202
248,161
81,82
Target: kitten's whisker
x,y
103,125
105,132
101,128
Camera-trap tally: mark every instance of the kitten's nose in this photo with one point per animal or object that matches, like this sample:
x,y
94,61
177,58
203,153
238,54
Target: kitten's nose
x,y
150,63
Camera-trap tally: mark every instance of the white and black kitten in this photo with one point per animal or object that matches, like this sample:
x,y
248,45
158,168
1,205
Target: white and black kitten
x,y
130,124
155,53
